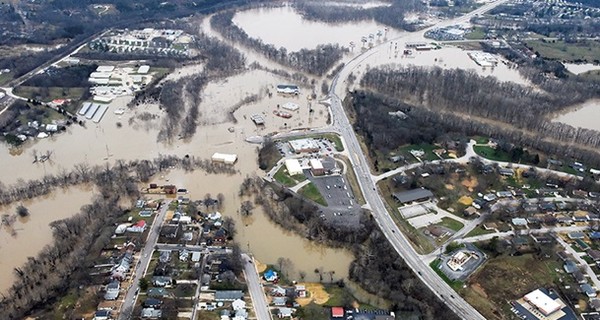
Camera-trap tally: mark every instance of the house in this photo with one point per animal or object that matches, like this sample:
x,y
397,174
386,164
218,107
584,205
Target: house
x,y
504,194
228,295
220,236
112,291
102,315
165,256
184,255
337,312
570,266
594,254
240,314
588,290
582,244
490,197
507,172
196,256
564,219
547,206
145,213
270,275
160,281
519,221
595,304
152,303
238,304
158,292
151,313
579,277
594,235
285,312
279,301
541,238
278,291
139,227
414,195
300,291
576,235
470,211
170,189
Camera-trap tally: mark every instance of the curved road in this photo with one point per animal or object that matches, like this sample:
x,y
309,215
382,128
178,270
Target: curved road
x,y
401,244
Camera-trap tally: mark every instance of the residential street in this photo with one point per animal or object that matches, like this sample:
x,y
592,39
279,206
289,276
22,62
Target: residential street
x,y
140,268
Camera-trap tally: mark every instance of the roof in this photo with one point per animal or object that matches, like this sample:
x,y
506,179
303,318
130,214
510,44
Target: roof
x,y
542,302
576,235
224,157
228,295
151,313
316,164
570,266
412,195
293,166
157,292
337,312
587,289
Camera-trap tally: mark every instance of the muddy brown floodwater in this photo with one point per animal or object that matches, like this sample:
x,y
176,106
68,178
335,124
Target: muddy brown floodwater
x,y
33,232
585,115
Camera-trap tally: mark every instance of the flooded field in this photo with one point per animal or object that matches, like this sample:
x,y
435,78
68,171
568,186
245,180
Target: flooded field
x,y
584,116
581,68
34,232
284,27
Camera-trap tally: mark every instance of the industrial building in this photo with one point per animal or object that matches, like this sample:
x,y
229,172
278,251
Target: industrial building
x,y
293,167
288,89
224,158
544,305
414,195
304,146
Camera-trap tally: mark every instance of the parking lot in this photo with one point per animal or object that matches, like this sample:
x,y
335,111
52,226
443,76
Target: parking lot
x,y
327,148
341,203
468,268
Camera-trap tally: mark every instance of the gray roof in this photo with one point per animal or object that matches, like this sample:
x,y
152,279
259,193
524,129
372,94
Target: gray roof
x,y
413,195
157,292
151,313
228,295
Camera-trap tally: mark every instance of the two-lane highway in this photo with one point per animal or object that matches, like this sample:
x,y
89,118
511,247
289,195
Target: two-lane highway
x,y
256,291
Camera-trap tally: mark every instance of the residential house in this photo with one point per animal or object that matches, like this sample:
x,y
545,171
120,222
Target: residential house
x,y
240,314
285,312
519,221
579,277
564,256
594,254
582,244
588,290
184,255
562,219
576,235
165,256
541,238
337,313
102,315
470,211
238,304
507,172
595,304
228,295
160,281
270,275
151,313
152,303
279,301
278,291
112,290
158,292
300,290
490,197
220,237
570,266
547,206
139,227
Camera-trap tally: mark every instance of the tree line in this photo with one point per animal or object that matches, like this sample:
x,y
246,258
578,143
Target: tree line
x,y
392,15
316,61
377,266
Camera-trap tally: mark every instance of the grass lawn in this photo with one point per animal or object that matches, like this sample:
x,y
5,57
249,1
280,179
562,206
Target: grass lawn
x,y
49,94
454,284
451,224
285,179
560,50
5,77
477,34
506,278
481,140
478,231
491,153
351,176
427,148
311,192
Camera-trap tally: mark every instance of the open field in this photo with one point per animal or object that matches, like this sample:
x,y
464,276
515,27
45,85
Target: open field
x,y
560,50
311,192
478,231
491,153
477,34
49,94
506,278
451,224
285,179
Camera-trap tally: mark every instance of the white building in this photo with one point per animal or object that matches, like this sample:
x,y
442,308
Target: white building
x,y
293,167
291,106
542,302
224,158
143,69
304,145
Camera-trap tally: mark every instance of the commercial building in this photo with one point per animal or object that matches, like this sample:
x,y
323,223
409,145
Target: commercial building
x,y
414,195
540,305
304,145
458,260
143,69
288,89
316,167
224,158
293,167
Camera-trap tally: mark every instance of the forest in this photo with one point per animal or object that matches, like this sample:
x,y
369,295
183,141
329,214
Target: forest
x,y
316,61
392,16
467,102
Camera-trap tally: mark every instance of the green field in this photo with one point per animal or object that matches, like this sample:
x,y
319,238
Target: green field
x,y
427,148
285,179
49,94
560,50
477,34
311,192
478,231
451,224
491,153
5,77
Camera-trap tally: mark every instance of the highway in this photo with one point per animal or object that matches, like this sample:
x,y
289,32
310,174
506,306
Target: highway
x,y
400,243
256,291
142,266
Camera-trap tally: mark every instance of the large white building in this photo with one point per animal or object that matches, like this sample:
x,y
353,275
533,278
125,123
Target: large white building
x,y
304,145
224,158
293,167
539,302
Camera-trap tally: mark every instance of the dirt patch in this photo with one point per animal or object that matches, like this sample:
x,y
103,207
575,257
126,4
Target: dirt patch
x,y
316,293
261,267
477,288
470,183
466,200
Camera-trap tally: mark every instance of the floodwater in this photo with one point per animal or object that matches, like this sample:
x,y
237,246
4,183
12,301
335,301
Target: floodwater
x,y
585,116
581,68
284,27
34,232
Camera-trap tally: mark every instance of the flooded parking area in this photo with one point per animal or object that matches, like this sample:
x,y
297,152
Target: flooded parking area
x,y
284,27
585,116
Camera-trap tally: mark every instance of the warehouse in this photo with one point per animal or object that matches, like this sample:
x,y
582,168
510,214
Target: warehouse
x,y
224,158
414,195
